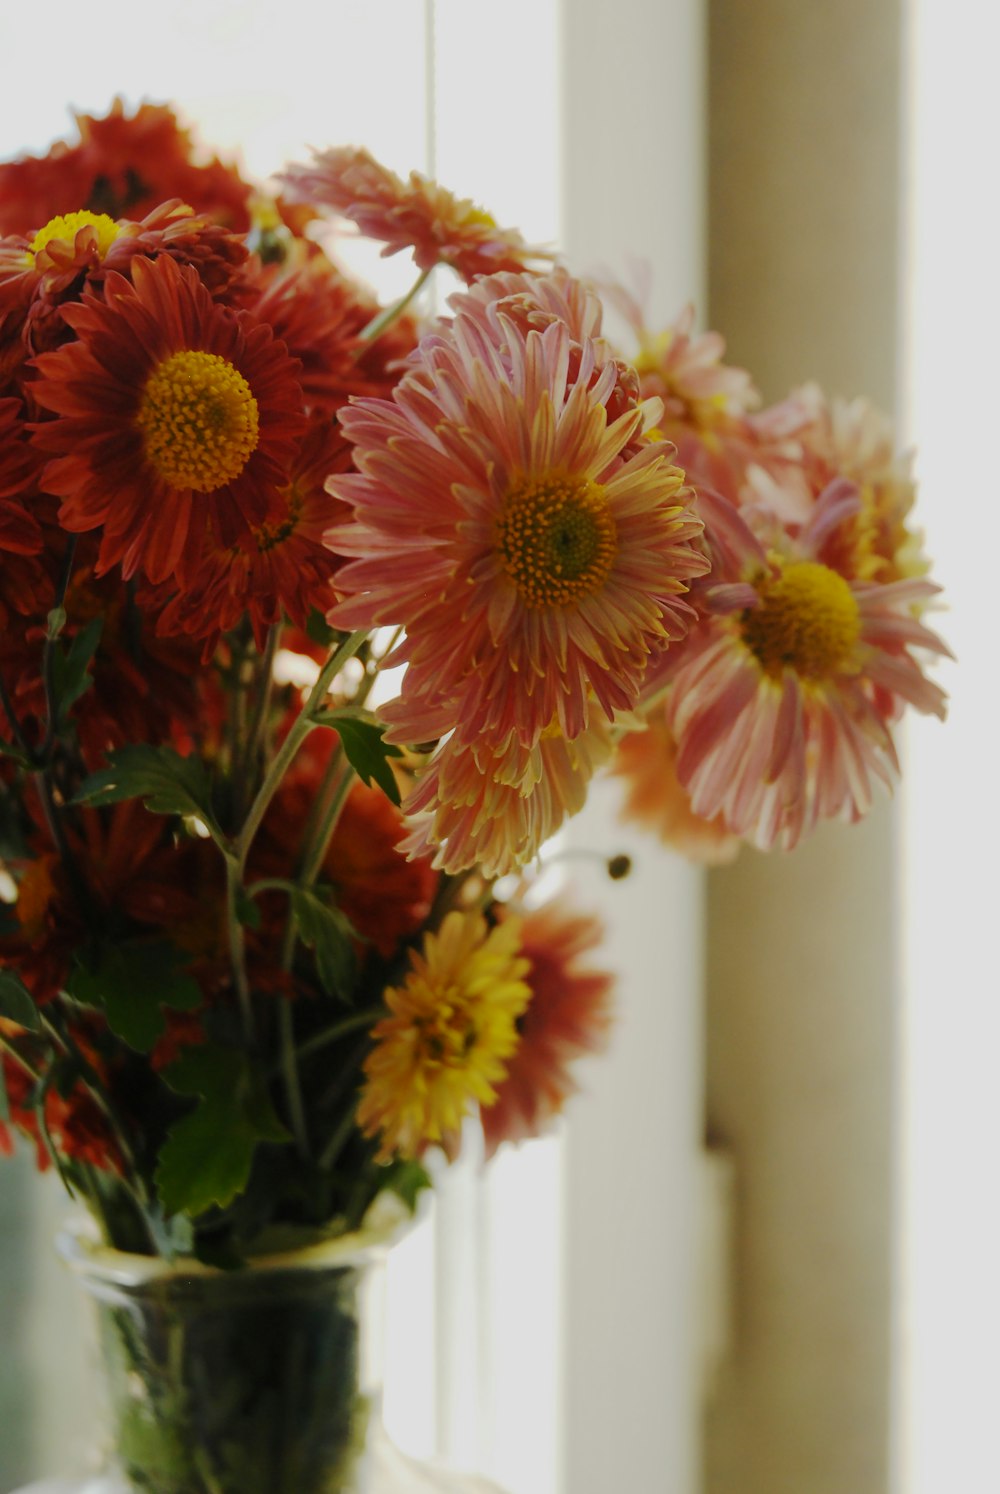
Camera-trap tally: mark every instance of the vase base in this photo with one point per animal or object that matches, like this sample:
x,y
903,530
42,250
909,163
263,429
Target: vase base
x,y
392,1473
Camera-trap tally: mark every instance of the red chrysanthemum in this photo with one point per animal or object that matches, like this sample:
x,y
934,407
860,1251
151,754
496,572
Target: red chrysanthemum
x,y
171,412
122,165
319,315
281,568
569,1015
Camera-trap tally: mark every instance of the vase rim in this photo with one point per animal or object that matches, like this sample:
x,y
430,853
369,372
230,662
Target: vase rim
x,y
80,1245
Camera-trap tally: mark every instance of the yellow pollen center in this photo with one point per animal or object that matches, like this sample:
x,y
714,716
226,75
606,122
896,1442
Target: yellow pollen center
x,y
557,539
67,225
807,620
199,420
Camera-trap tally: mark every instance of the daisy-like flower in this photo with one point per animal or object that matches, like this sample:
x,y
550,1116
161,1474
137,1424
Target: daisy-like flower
x,y
568,1015
495,810
417,214
646,762
783,704
535,551
281,567
171,411
706,402
807,441
445,1045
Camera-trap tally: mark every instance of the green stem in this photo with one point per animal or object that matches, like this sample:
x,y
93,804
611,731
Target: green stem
x,y
237,858
339,1029
237,950
337,1141
290,1074
264,680
19,1059
385,318
301,728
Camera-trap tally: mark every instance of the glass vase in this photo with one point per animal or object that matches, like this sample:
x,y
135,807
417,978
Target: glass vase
x,y
265,1379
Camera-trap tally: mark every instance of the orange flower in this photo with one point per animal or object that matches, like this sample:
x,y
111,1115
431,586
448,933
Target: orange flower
x,y
122,164
568,1016
171,411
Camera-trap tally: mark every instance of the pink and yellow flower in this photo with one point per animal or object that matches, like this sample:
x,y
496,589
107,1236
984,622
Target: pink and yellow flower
x,y
417,214
534,549
451,1029
646,762
472,807
783,703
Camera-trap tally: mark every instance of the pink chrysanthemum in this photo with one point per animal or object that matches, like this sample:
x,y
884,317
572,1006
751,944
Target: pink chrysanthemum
x,y
495,810
646,762
416,214
783,703
567,1017
535,552
808,440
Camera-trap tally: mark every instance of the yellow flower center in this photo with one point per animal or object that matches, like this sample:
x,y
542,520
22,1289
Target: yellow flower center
x,y
557,538
199,420
67,225
807,620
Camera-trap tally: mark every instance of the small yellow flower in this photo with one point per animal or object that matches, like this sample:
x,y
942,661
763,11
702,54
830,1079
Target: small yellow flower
x,y
452,1028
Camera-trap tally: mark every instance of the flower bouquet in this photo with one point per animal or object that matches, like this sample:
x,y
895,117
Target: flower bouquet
x,y
317,621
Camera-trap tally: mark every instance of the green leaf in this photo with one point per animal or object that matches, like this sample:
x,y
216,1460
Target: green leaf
x,y
247,910
133,983
208,1154
205,1160
320,631
55,623
16,1002
367,751
7,749
324,929
4,1101
69,668
407,1179
166,782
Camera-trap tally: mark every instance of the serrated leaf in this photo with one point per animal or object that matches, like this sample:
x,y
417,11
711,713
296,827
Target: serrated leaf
x,y
166,782
209,1071
69,668
327,931
366,749
16,1003
133,983
208,1154
205,1160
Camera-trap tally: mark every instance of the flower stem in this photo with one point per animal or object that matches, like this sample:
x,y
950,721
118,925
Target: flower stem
x,y
301,727
385,318
339,1029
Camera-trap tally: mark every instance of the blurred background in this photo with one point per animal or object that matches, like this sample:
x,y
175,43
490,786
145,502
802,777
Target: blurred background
x,y
760,1256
